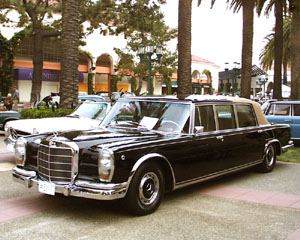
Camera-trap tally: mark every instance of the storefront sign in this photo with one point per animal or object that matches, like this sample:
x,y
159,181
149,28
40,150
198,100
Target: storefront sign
x,y
48,75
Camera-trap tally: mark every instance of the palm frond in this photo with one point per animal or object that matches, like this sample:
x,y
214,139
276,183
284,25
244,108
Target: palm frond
x,y
236,5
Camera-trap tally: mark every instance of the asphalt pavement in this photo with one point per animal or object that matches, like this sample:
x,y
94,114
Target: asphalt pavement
x,y
247,205
2,144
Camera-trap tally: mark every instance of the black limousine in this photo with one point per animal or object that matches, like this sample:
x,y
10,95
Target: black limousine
x,y
151,145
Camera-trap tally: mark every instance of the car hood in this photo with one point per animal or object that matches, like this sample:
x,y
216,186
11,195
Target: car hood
x,y
111,138
45,125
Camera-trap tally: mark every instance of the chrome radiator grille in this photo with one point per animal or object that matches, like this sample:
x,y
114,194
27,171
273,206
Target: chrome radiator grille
x,y
55,163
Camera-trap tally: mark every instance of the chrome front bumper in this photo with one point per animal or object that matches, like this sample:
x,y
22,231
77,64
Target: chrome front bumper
x,y
86,189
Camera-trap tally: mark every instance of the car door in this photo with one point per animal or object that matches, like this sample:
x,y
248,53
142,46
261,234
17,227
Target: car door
x,y
214,140
279,113
295,124
252,135
241,139
202,152
210,144
235,147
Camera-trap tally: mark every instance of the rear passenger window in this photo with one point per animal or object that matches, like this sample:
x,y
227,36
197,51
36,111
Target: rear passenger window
x,y
296,109
245,116
279,110
225,117
205,118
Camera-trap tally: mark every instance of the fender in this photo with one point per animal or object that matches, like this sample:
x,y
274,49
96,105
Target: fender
x,y
277,143
7,120
146,158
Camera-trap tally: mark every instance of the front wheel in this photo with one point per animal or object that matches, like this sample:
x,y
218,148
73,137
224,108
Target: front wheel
x,y
269,159
146,190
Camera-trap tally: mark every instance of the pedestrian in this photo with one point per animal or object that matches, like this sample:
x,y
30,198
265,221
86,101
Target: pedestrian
x,y
15,98
8,102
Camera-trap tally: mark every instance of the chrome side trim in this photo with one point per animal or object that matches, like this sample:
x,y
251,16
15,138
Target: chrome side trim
x,y
214,175
86,189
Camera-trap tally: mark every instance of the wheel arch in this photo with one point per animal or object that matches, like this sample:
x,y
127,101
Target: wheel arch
x,y
277,145
163,162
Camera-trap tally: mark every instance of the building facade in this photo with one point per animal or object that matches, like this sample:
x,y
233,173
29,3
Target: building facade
x,y
98,58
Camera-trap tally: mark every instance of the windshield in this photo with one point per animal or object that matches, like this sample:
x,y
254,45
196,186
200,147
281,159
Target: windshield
x,y
162,116
90,110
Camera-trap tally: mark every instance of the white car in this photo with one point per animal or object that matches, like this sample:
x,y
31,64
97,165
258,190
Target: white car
x,y
86,116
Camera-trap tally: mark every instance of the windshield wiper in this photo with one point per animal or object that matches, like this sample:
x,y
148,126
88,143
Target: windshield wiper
x,y
134,124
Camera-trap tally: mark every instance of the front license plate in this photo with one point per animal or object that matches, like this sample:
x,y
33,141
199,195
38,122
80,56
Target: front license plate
x,y
47,187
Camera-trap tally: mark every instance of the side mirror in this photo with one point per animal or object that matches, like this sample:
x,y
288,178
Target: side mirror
x,y
199,129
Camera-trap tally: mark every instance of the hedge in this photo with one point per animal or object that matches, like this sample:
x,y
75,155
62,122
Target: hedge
x,y
30,113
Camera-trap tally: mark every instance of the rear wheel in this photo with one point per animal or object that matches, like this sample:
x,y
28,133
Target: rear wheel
x,y
269,159
146,190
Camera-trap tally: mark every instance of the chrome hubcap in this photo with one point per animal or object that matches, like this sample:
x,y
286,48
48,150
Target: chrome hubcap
x,y
148,188
270,156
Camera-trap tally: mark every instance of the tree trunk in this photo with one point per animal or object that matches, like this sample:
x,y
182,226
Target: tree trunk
x,y
285,69
138,90
37,66
248,12
38,38
278,45
70,53
295,53
184,48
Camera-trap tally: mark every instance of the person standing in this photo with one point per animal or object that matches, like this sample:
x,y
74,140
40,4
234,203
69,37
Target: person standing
x,y
8,102
15,98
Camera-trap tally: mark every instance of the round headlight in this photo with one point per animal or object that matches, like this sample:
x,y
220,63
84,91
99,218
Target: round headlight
x,y
105,164
20,151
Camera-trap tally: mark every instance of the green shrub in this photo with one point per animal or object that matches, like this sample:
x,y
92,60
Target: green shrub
x,y
30,113
292,155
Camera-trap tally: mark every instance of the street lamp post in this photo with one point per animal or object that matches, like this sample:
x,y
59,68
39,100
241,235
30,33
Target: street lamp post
x,y
236,72
145,54
262,82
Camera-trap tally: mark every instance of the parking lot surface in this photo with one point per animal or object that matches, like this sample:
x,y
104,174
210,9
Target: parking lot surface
x,y
247,205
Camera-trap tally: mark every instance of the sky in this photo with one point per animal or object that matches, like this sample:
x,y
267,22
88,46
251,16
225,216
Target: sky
x,y
217,32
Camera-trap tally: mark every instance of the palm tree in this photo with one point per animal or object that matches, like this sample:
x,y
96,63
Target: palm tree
x,y
70,53
248,15
295,49
267,54
184,48
278,49
279,6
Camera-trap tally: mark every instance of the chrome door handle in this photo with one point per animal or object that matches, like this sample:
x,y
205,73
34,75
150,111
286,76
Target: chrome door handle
x,y
220,138
288,120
